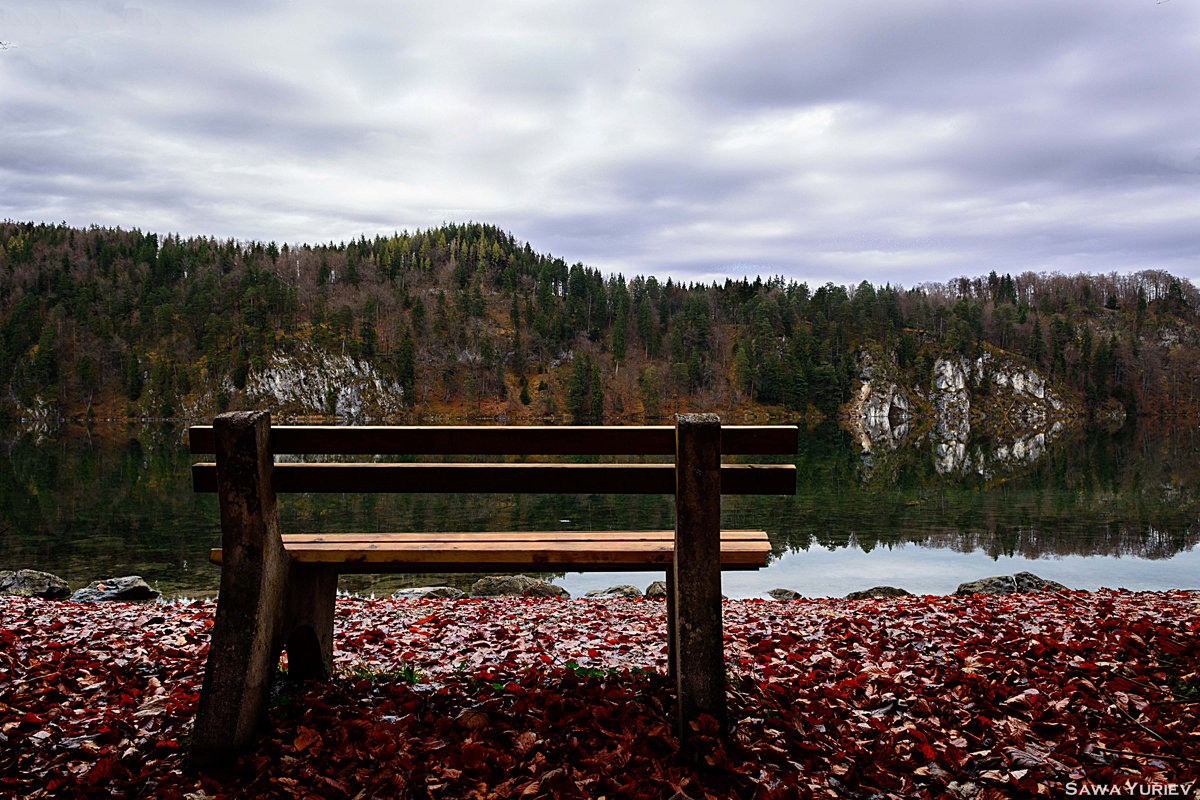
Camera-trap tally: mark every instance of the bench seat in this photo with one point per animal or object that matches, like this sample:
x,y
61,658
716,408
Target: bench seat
x,y
623,551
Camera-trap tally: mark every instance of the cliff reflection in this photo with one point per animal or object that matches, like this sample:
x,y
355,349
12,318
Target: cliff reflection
x,y
1135,492
116,500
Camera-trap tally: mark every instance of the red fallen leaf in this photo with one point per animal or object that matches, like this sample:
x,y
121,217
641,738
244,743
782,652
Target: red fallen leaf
x,y
473,719
305,738
525,742
101,771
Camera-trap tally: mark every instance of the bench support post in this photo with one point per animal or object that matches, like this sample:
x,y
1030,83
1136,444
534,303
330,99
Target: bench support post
x,y
309,621
697,640
671,622
244,649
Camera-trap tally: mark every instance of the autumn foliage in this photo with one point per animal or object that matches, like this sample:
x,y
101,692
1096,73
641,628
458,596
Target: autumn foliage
x,y
465,321
907,697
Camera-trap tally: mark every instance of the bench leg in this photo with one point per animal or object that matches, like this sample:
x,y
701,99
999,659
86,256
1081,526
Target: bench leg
x,y
699,648
309,626
671,668
244,649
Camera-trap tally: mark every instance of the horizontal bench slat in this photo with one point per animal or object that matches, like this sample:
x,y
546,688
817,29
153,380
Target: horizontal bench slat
x,y
739,550
465,552
296,539
659,564
505,478
505,440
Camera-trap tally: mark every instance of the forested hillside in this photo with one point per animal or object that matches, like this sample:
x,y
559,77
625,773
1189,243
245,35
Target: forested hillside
x,y
463,320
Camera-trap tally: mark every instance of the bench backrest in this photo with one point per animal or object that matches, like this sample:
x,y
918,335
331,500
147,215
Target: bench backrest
x,y
548,477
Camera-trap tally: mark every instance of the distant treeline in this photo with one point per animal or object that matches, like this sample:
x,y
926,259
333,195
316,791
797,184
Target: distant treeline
x,y
465,317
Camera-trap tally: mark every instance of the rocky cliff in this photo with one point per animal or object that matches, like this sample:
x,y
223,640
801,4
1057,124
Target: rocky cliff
x,y
995,394
310,382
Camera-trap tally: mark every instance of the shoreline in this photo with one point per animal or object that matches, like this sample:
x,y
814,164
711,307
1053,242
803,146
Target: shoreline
x,y
30,582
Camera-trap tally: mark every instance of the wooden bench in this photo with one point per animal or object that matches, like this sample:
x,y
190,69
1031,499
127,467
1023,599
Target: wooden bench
x,y
277,590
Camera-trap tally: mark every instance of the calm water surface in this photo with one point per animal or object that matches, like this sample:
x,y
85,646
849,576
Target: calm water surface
x,y
1086,508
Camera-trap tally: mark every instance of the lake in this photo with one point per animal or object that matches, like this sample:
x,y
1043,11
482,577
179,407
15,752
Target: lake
x,y
1087,508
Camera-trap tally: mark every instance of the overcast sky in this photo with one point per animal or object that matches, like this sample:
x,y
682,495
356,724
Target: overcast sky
x,y
898,142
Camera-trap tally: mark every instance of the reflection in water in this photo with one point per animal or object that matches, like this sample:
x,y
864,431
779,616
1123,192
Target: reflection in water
x,y
1015,451
1047,494
822,572
90,503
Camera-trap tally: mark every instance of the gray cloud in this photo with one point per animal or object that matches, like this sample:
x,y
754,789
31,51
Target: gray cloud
x,y
894,142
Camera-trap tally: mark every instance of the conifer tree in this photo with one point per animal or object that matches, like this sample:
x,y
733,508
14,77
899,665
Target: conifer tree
x,y
1037,346
406,367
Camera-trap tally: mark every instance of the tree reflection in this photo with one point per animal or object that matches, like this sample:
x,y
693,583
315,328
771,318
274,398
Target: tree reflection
x,y
114,500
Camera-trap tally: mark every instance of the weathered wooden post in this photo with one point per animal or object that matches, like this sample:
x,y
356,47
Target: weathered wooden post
x,y
308,621
254,573
699,649
671,619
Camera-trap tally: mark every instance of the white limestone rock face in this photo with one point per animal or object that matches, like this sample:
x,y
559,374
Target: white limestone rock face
x,y
1018,409
950,375
1012,400
950,457
882,412
1023,450
1020,395
310,382
951,406
39,410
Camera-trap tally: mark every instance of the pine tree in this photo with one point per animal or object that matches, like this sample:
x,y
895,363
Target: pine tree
x,y
45,360
596,393
1098,383
419,322
619,346
1037,346
650,389
131,375
518,355
368,338
406,368
578,388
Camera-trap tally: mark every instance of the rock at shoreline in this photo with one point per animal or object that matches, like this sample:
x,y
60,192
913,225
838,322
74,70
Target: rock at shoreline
x,y
121,590
543,589
31,583
515,586
785,594
657,589
623,590
1009,584
430,592
878,591
502,586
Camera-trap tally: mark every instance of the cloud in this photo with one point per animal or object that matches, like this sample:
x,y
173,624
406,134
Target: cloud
x,y
894,142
